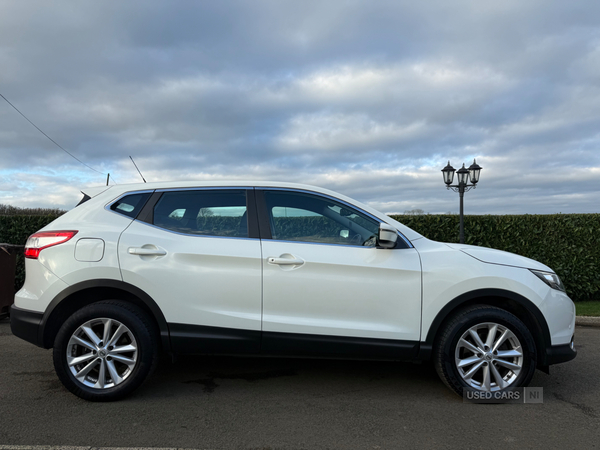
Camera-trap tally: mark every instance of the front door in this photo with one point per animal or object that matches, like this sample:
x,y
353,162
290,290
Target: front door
x,y
327,288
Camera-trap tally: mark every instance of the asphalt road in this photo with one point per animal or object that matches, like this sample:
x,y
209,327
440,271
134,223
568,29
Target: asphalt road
x,y
251,403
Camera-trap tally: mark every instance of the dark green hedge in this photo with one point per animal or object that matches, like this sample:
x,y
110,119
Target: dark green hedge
x,y
568,243
15,229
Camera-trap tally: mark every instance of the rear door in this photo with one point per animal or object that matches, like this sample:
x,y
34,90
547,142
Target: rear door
x,y
197,254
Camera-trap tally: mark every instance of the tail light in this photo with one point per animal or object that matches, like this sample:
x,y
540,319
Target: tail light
x,y
39,241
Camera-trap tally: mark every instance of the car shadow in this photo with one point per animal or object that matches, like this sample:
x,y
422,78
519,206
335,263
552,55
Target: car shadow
x,y
209,375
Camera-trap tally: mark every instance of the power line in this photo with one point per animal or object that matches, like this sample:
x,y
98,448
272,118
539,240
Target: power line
x,y
51,140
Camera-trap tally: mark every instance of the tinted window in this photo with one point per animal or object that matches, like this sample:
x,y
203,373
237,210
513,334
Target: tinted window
x,y
296,216
203,212
130,205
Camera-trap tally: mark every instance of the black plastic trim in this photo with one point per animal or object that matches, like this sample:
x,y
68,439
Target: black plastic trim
x,y
106,283
26,324
557,354
253,228
198,339
146,214
310,345
83,200
263,215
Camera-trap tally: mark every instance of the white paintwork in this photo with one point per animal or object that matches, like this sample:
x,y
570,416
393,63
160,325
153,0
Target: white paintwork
x,y
92,221
449,272
93,191
40,288
342,291
61,260
199,280
57,267
320,289
388,235
492,256
89,250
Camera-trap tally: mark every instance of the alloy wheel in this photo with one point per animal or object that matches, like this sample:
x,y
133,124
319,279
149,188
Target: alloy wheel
x,y
102,353
489,357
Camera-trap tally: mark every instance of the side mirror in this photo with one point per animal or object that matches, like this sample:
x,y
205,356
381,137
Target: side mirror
x,y
387,236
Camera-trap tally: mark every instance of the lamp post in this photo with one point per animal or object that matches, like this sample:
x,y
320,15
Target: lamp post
x,y
463,175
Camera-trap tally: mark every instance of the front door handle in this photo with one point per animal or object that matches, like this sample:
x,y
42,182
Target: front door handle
x,y
146,251
285,261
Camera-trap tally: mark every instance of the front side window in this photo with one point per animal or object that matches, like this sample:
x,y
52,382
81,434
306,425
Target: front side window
x,y
203,212
298,216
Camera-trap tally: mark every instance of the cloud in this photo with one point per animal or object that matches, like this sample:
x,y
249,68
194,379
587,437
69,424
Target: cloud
x,y
371,99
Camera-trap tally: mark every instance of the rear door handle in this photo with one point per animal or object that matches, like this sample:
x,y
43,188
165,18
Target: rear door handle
x,y
146,251
284,261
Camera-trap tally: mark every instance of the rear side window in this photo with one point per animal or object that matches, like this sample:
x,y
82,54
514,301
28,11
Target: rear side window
x,y
130,205
203,212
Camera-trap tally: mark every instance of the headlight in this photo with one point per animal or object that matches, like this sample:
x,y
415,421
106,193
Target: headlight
x,y
550,278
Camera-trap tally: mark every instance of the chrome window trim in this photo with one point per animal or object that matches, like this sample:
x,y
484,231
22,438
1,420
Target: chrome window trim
x,y
327,243
378,220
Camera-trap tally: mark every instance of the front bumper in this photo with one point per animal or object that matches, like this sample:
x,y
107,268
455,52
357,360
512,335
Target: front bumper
x,y
26,324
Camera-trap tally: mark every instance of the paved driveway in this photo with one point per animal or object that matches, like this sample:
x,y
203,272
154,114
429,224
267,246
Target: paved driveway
x,y
210,402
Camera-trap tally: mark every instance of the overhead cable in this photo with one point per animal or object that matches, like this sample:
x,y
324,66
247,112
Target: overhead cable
x,y
51,140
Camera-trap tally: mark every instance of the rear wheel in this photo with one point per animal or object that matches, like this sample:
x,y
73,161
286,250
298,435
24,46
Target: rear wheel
x,y
105,351
485,349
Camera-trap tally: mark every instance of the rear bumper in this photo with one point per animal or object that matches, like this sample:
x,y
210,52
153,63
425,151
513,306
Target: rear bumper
x,y
26,324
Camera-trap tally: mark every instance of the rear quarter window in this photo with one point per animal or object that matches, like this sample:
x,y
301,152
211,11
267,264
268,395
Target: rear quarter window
x,y
130,205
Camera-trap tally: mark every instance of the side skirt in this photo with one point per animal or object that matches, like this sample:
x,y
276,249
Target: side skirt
x,y
322,346
201,340
196,339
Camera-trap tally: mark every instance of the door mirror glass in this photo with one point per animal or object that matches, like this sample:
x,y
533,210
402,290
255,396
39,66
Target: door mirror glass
x,y
387,236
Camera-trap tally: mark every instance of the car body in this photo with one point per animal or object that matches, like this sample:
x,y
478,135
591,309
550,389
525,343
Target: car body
x,y
263,268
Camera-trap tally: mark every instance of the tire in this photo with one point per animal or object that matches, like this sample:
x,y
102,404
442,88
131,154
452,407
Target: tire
x,y
485,349
105,351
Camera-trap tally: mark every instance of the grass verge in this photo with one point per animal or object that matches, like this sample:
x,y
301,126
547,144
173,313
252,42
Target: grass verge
x,y
588,308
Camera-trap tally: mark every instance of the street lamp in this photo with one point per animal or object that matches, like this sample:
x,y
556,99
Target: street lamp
x,y
463,175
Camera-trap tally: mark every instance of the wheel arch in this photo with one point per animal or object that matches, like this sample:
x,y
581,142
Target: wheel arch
x,y
510,301
91,291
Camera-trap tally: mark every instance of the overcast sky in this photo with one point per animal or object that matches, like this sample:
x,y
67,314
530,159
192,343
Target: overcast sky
x,y
368,98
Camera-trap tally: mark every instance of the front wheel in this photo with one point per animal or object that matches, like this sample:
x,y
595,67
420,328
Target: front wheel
x,y
485,349
105,350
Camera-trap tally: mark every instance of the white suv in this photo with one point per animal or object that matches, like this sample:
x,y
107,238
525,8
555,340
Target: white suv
x,y
276,269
